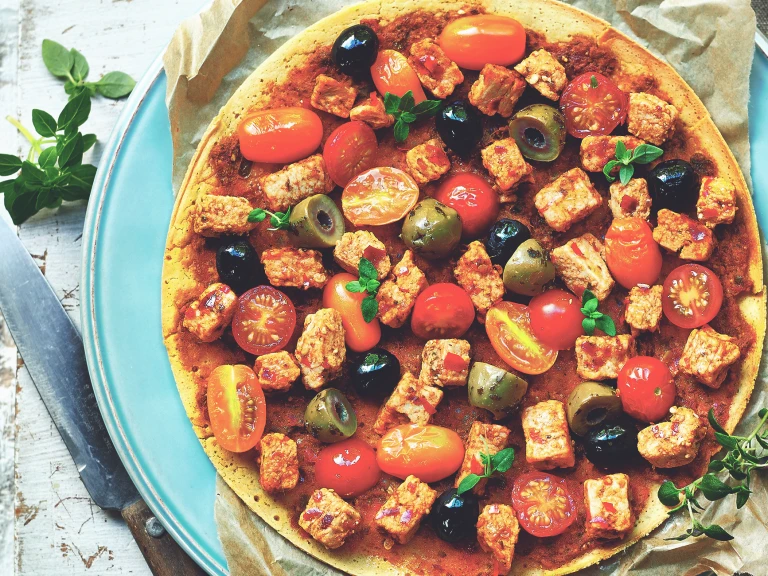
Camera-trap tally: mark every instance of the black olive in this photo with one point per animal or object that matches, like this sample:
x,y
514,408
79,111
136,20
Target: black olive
x,y
355,50
453,517
460,127
611,444
376,373
504,238
238,266
673,185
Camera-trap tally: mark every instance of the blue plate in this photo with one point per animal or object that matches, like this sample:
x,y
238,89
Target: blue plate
x,y
124,240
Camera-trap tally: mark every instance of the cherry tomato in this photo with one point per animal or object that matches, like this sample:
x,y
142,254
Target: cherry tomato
x,y
264,320
556,318
350,150
474,41
543,504
592,107
442,311
349,467
692,296
632,255
430,453
646,388
236,407
508,326
280,135
379,196
393,73
358,334
475,201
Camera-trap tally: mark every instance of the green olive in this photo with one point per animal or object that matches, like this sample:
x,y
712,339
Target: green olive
x,y
529,269
316,222
539,131
329,416
589,405
495,389
432,229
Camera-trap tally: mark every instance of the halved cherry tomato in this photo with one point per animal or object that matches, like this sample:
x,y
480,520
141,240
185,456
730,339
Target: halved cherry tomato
x,y
264,320
430,453
632,255
379,196
692,296
280,135
442,311
556,318
349,467
646,388
236,407
543,504
391,72
358,334
592,105
474,41
508,326
475,201
350,150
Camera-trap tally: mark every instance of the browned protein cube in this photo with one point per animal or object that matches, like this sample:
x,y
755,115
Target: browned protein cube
x,y
276,371
328,519
295,267
411,401
445,363
401,514
547,438
642,308
397,294
209,315
567,200
544,73
650,118
215,215
480,278
497,90
632,200
487,439
427,161
674,443
717,201
437,73
321,350
289,186
333,96
708,355
506,164
497,533
353,246
278,463
679,233
581,264
597,151
373,112
603,357
609,514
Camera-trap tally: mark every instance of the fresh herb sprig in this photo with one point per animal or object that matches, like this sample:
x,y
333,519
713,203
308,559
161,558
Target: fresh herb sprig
x,y
627,159
278,220
594,319
406,111
499,462
745,454
368,281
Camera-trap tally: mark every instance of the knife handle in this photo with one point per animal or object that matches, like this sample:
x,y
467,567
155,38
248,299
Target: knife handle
x,y
164,556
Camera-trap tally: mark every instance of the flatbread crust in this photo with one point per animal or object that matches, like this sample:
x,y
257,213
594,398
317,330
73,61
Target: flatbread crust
x,y
557,22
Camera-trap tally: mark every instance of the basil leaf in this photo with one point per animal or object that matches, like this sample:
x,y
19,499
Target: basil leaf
x,y
115,85
625,174
80,66
21,207
71,152
621,151
468,482
608,168
589,325
725,440
646,153
762,413
366,269
354,286
714,488
391,103
44,123
503,460
32,174
737,474
75,113
741,499
369,307
6,186
88,141
408,117
407,102
605,323
257,215
83,176
48,157
590,302
401,131
668,494
714,423
9,164
427,107
716,466
372,286
57,59
716,532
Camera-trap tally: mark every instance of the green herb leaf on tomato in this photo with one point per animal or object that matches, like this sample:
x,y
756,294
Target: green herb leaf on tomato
x,y
368,281
278,220
499,462
406,112
593,318
627,160
370,307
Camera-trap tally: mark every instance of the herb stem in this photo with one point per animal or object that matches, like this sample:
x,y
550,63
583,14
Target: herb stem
x,y
758,428
26,133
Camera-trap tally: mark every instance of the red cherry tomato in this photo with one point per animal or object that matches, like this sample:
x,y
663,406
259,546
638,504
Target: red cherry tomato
x,y
592,105
349,467
692,296
264,320
646,388
508,326
280,135
358,334
474,41
632,255
393,73
543,504
236,407
475,201
556,318
442,311
350,150
430,453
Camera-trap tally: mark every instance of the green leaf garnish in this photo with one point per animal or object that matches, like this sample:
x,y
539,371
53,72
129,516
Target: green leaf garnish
x,y
627,159
368,281
406,111
594,319
499,462
277,220
369,307
593,81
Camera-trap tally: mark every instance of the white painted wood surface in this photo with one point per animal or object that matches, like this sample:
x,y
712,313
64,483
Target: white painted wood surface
x,y
48,525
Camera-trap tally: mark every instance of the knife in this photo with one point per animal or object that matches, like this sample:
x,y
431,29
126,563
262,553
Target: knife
x,y
53,352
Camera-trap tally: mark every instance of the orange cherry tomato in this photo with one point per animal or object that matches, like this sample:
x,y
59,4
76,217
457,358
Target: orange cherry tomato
x,y
236,407
632,255
379,196
475,201
359,335
508,326
543,504
349,467
280,135
264,320
393,73
442,310
474,41
350,150
430,453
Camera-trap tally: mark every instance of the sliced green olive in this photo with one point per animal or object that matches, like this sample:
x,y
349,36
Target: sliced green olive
x,y
539,131
495,389
529,269
316,222
432,229
589,405
329,416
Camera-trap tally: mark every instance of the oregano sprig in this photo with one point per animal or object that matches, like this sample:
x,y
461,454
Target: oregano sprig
x,y
627,159
406,111
278,220
498,463
368,281
593,318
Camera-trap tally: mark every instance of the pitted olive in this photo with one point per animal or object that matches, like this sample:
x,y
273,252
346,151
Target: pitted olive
x,y
316,222
539,131
432,229
589,405
329,416
529,269
495,389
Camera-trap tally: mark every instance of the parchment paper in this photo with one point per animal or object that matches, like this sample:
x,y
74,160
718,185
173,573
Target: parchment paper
x,y
709,42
